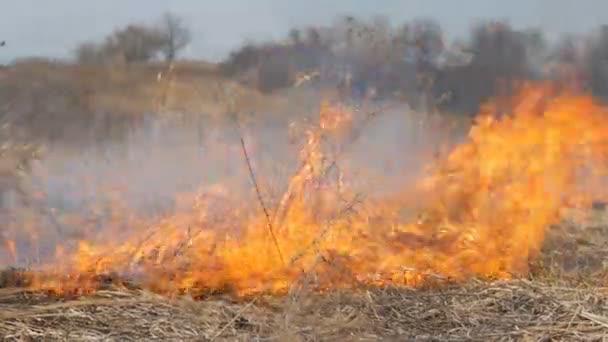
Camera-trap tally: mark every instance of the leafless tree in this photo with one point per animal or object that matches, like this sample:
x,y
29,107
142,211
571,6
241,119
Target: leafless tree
x,y
135,43
416,61
138,43
176,36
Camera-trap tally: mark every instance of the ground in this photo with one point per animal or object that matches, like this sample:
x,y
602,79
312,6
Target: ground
x,y
501,311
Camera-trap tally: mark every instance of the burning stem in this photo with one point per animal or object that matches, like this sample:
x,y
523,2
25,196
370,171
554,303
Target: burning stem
x,y
261,200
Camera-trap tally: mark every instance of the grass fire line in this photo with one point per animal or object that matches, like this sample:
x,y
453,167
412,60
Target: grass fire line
x,y
486,204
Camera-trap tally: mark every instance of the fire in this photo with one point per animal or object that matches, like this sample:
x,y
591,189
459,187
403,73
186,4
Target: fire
x,y
485,209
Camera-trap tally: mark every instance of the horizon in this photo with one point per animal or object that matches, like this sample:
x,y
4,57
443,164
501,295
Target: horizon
x,y
62,25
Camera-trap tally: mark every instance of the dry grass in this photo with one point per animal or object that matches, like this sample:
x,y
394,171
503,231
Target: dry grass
x,y
34,91
518,310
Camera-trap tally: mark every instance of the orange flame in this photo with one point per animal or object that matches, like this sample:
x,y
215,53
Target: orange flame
x,y
486,208
12,249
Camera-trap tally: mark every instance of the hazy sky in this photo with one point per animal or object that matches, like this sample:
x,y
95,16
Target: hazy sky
x,y
54,28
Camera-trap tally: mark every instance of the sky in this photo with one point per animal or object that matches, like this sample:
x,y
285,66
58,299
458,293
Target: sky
x,y
54,28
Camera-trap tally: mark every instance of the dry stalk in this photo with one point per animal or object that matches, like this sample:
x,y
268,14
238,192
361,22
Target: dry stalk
x,y
285,201
252,176
317,240
166,90
261,200
237,316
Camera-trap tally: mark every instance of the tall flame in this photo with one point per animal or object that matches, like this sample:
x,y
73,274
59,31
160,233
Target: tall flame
x,y
486,207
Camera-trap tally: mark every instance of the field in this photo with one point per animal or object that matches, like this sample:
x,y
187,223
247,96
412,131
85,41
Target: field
x,y
527,264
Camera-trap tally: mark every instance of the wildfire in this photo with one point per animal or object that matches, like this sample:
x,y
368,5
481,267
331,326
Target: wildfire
x,y
486,206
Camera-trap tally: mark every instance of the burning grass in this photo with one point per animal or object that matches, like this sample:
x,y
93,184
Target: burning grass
x,y
485,209
345,265
563,299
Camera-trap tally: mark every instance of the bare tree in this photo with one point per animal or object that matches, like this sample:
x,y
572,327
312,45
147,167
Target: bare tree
x,y
132,44
176,36
498,59
135,43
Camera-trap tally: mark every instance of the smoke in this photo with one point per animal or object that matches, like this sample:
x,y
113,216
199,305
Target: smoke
x,y
162,164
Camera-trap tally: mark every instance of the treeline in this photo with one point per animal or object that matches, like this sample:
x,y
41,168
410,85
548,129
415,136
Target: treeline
x,y
416,62
138,43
